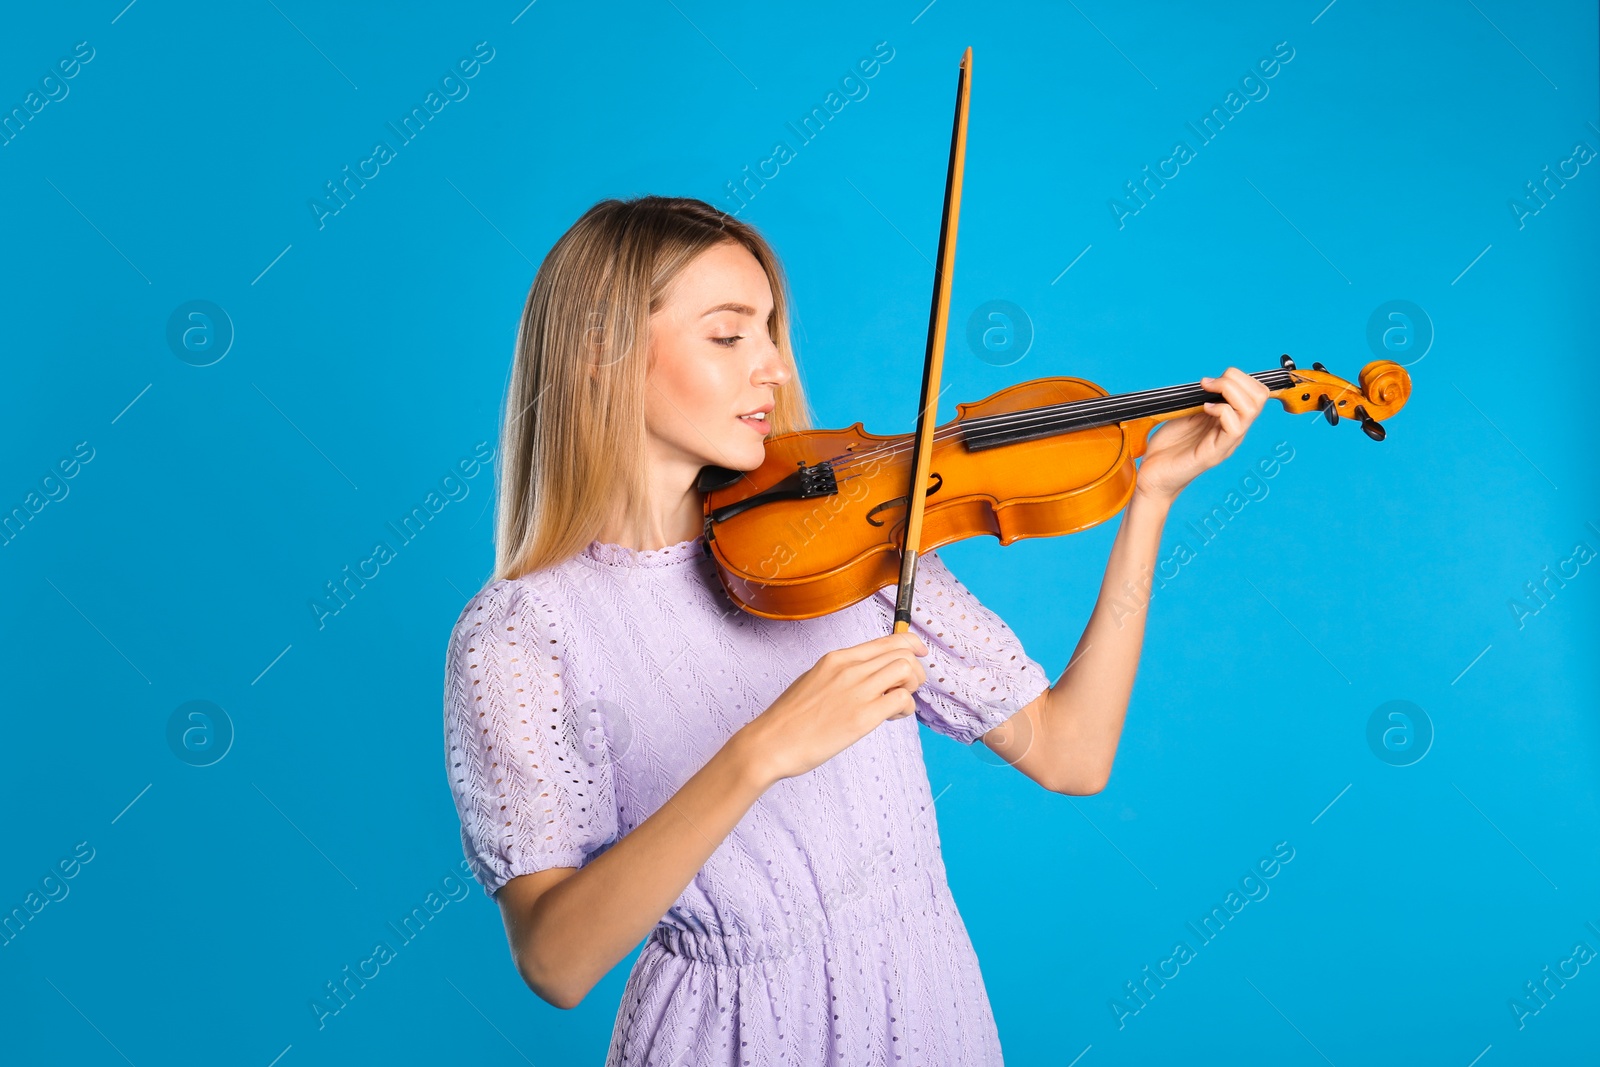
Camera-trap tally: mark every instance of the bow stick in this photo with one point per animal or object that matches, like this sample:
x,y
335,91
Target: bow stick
x,y
933,364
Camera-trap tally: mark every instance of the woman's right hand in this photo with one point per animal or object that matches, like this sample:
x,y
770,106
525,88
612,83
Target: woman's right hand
x,y
838,701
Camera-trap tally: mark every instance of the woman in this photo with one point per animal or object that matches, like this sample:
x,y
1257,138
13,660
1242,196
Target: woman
x,y
631,755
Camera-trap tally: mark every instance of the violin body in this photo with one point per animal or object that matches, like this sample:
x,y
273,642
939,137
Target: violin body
x,y
800,558
820,524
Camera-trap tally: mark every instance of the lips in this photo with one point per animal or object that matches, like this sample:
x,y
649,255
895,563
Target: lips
x,y
759,420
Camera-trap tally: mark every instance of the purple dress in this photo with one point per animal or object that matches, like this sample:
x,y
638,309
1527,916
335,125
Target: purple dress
x,y
821,930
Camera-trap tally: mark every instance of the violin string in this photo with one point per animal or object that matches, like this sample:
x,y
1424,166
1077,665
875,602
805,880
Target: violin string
x,y
1035,417
1016,421
1001,420
1089,406
1043,416
1096,405
1055,412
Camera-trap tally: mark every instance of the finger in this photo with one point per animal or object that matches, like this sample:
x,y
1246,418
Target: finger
x,y
891,655
908,640
919,673
1253,397
1246,394
1235,392
895,704
872,676
876,646
1226,417
901,670
1253,389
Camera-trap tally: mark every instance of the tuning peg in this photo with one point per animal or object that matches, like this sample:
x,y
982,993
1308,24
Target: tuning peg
x,y
1286,362
1328,409
1369,425
1318,366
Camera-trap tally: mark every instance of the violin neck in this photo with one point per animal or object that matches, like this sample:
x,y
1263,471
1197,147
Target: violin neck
x,y
1012,427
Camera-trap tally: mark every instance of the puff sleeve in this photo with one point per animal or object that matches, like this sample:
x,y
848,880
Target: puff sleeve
x,y
978,674
528,796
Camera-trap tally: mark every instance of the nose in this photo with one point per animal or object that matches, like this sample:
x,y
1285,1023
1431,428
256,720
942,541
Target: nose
x,y
771,369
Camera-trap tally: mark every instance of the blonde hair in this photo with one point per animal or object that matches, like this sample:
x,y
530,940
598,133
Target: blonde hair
x,y
572,431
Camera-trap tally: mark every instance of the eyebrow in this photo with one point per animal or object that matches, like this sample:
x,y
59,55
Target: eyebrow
x,y
742,309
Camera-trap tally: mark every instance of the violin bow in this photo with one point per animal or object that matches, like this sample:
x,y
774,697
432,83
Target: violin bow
x,y
933,363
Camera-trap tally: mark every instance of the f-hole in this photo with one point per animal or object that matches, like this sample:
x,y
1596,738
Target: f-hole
x,y
899,501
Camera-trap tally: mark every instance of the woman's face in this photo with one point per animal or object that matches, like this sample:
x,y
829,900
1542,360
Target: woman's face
x,y
713,365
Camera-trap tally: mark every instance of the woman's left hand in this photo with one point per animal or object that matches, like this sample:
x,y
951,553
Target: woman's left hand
x,y
1181,449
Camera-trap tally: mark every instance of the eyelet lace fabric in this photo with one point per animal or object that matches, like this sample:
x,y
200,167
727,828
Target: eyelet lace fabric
x,y
822,930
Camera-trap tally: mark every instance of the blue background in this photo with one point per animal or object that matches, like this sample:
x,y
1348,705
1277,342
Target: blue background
x,y
369,355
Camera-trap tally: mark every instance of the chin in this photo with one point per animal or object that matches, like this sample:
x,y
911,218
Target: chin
x,y
743,455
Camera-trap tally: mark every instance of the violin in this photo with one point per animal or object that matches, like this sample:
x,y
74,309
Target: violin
x,y
832,516
820,524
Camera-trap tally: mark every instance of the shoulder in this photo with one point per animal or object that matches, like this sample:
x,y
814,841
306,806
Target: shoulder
x,y
506,611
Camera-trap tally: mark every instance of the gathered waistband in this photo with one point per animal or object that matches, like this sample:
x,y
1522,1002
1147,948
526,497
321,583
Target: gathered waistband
x,y
737,948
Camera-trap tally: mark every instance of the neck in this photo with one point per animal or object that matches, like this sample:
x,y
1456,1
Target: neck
x,y
671,513
991,431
